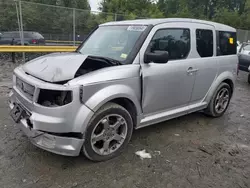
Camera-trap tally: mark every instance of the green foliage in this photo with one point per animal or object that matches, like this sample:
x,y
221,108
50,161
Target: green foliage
x,y
228,17
139,8
51,21
57,23
231,12
8,16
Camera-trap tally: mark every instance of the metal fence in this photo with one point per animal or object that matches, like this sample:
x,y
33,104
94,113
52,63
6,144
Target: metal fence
x,y
55,23
59,25
243,35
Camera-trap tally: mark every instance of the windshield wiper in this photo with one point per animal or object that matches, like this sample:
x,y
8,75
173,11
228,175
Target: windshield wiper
x,y
110,60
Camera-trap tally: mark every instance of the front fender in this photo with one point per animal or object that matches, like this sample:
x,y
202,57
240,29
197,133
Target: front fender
x,y
130,90
227,75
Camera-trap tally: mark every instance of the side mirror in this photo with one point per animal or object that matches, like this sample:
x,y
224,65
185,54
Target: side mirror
x,y
156,57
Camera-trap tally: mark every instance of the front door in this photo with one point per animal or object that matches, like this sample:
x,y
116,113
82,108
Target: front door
x,y
168,86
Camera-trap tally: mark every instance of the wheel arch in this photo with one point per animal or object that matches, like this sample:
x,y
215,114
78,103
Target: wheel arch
x,y
230,83
119,94
129,106
225,77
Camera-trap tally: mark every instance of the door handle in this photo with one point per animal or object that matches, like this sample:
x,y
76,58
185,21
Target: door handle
x,y
192,70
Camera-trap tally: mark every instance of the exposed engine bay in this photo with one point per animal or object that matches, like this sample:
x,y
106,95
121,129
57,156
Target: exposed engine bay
x,y
55,98
60,68
93,63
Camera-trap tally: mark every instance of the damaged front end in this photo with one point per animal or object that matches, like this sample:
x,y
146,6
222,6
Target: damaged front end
x,y
50,114
47,105
60,68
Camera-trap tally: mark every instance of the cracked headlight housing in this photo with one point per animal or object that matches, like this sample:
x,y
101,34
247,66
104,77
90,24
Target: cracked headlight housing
x,y
54,98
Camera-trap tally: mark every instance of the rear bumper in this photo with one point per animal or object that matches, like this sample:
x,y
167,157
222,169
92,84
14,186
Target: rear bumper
x,y
244,68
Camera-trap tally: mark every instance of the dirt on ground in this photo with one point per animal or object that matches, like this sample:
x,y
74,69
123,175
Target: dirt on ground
x,y
6,72
190,151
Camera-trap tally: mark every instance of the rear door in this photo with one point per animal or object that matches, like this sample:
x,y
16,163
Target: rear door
x,y
206,61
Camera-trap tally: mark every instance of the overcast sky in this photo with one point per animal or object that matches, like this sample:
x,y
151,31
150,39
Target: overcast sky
x,y
94,4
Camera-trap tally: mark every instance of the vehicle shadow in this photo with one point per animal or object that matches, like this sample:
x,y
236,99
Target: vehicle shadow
x,y
189,123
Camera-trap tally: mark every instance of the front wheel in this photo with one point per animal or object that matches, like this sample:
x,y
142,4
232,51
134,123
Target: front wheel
x,y
220,101
108,133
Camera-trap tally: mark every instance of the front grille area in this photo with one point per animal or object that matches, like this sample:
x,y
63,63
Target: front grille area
x,y
27,89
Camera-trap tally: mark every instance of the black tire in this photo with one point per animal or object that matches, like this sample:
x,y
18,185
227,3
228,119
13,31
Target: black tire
x,y
210,110
109,108
248,78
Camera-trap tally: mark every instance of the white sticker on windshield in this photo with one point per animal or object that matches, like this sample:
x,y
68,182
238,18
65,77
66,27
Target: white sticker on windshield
x,y
136,28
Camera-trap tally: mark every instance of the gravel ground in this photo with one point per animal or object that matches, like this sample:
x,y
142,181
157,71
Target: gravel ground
x,y
6,72
191,151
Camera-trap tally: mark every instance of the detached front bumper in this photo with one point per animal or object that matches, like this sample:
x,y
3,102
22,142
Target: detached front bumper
x,y
55,144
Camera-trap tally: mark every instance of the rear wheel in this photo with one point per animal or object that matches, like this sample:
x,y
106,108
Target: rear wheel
x,y
249,78
108,133
220,101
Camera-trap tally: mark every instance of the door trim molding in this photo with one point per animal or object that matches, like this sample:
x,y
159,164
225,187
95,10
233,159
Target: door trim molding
x,y
170,114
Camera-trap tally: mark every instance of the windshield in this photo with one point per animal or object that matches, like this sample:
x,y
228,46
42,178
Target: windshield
x,y
115,42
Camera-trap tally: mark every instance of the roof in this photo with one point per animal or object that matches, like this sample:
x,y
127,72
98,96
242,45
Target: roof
x,y
218,26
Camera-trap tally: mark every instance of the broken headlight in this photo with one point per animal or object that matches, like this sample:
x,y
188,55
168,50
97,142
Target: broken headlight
x,y
54,98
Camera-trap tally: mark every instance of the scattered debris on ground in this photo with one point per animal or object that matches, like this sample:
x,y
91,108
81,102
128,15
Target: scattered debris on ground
x,y
143,154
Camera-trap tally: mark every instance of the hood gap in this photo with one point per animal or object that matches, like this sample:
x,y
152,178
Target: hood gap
x,y
92,64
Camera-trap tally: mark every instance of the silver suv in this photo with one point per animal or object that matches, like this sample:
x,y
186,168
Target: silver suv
x,y
124,76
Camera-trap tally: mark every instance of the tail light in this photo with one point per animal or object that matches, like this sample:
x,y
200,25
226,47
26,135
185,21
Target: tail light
x,y
34,41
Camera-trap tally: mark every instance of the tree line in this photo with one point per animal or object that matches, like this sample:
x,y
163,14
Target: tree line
x,y
59,21
235,13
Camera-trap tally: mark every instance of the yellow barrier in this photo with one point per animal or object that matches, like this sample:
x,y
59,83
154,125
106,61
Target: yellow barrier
x,y
35,49
62,41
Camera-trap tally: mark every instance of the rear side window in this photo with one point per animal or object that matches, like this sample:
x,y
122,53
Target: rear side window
x,y
226,43
204,42
11,35
32,35
175,41
27,35
37,35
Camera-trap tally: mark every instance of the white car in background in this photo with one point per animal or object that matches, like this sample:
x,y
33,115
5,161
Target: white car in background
x,y
244,58
245,48
238,46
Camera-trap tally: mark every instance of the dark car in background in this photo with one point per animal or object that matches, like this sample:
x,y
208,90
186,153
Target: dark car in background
x,y
244,58
30,38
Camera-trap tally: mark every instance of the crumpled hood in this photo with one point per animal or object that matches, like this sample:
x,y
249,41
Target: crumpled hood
x,y
55,67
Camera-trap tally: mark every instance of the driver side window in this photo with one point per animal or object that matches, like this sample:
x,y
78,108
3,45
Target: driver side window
x,y
175,41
